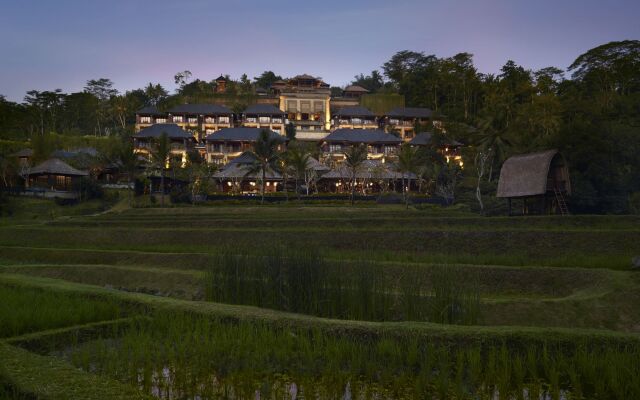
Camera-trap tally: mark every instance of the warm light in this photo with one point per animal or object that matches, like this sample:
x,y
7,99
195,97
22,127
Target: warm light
x,y
229,183
268,183
252,183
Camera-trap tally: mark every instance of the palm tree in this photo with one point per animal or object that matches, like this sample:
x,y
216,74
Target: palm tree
x,y
299,162
266,153
354,158
160,156
408,163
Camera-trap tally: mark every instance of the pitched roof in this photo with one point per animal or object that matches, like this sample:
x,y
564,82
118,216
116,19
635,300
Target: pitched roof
x,y
355,88
149,110
82,151
426,138
362,136
410,112
221,78
23,153
240,134
370,169
204,109
263,109
304,76
245,158
156,130
525,174
241,171
54,166
316,165
354,111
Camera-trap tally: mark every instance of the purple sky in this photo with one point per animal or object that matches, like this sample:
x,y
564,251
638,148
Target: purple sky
x,y
63,43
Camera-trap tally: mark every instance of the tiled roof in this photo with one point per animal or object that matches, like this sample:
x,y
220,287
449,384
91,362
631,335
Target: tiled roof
x,y
156,130
354,111
239,134
203,109
54,166
149,110
263,109
362,136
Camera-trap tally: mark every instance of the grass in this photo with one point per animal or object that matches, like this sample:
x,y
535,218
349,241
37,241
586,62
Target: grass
x,y
29,310
330,298
299,280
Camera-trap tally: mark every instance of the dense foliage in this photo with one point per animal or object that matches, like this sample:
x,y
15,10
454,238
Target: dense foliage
x,y
592,116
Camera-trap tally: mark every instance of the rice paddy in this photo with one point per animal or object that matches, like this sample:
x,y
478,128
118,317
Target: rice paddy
x,y
319,302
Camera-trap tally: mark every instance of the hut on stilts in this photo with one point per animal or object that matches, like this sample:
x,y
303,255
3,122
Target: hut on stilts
x,y
539,181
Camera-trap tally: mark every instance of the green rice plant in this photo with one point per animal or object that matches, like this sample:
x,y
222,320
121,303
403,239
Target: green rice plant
x,y
24,310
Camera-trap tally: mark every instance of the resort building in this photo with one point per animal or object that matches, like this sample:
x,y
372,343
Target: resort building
x,y
145,141
264,116
227,144
202,119
403,120
238,176
149,116
305,100
354,117
380,145
55,178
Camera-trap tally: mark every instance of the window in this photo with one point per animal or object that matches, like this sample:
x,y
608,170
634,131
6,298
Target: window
x,y
276,120
389,150
209,120
161,120
265,120
292,106
223,120
356,121
335,148
305,106
177,118
318,106
145,120
251,119
291,116
193,120
394,121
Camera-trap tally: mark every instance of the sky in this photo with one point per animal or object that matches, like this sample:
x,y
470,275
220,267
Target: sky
x,y
61,44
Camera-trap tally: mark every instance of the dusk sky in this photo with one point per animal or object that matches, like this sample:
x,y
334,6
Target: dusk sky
x,y
61,44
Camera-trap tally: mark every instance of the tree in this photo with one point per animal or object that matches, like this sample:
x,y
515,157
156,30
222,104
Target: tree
x,y
103,90
408,163
46,106
266,79
299,162
128,161
160,156
155,93
265,151
182,78
372,83
480,163
354,159
290,131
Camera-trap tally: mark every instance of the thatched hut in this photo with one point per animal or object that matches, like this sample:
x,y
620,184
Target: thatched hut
x,y
540,180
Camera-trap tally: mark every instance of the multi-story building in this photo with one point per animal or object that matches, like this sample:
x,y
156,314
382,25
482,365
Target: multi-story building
x,y
403,120
148,116
264,116
181,141
229,143
354,117
380,145
305,100
202,119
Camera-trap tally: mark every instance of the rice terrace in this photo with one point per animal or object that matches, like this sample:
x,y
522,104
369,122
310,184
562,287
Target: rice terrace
x,y
345,200
371,301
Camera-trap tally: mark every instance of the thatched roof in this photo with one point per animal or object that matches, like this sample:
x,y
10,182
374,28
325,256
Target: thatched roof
x,y
243,171
54,166
316,165
24,153
526,174
370,169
